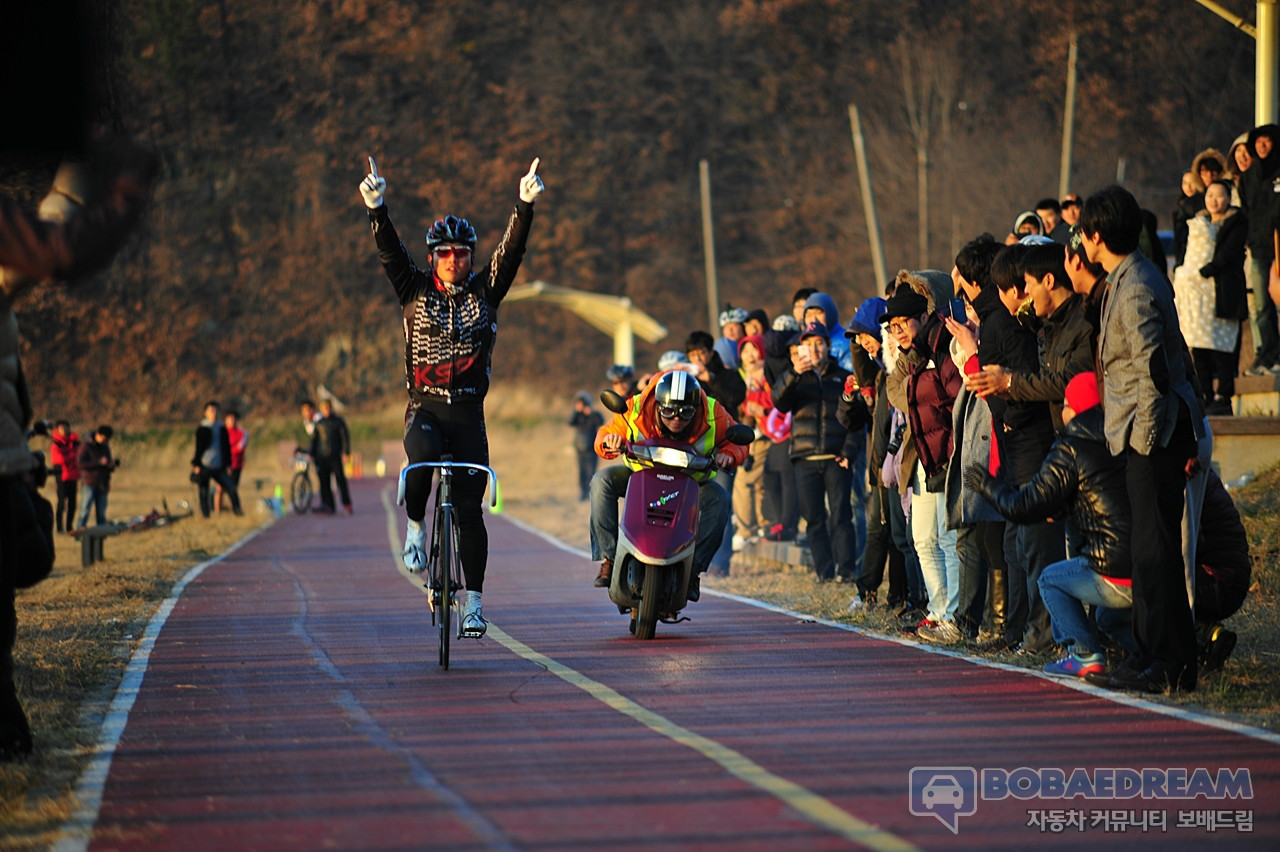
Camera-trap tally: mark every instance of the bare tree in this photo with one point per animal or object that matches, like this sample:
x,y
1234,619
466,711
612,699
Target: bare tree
x,y
928,92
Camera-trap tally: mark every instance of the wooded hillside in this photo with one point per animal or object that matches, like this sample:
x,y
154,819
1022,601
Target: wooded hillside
x,y
255,276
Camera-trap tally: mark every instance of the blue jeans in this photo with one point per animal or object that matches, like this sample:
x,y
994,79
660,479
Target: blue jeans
x,y
92,498
936,549
1066,586
610,484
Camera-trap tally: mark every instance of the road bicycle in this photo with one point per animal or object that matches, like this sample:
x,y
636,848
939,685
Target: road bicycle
x,y
445,579
300,491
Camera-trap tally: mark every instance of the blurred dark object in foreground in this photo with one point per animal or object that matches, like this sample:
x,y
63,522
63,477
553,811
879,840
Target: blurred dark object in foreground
x,y
56,87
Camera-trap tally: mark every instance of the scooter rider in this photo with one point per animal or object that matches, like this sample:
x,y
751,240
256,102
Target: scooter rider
x,y
450,322
671,406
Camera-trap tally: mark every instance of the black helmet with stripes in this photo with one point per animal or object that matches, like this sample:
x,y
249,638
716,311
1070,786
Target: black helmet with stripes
x,y
680,391
451,231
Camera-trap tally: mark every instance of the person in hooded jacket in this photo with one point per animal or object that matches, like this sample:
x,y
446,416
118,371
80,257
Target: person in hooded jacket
x,y
887,538
820,307
1260,201
1209,291
811,390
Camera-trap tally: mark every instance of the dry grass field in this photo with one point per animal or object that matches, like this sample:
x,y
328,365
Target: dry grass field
x,y
77,629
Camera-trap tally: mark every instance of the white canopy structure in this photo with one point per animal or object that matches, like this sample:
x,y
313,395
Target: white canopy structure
x,y
614,315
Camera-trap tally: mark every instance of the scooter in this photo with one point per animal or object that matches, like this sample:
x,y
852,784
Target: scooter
x,y
658,527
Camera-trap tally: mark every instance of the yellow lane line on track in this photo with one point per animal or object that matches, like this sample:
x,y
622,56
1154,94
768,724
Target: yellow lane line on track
x,y
813,807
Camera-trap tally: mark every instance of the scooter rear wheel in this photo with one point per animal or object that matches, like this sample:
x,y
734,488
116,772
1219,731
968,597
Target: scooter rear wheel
x,y
647,613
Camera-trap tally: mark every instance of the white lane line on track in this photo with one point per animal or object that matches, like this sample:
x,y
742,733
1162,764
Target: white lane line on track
x,y
76,832
810,805
364,724
1073,683
1125,698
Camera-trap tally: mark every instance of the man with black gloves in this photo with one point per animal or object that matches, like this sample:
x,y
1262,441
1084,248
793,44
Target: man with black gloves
x,y
450,324
811,391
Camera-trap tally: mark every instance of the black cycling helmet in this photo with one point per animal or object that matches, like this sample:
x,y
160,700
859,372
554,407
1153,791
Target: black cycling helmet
x,y
680,392
451,231
620,373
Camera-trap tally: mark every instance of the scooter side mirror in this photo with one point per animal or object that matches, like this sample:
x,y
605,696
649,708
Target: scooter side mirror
x,y
613,401
739,434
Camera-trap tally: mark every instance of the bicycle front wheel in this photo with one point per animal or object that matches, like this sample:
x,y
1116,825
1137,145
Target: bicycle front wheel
x,y
300,493
444,579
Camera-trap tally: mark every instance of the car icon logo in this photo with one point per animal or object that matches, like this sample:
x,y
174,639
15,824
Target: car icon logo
x,y
944,790
945,793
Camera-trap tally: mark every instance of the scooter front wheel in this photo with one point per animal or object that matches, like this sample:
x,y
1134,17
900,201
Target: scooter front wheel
x,y
647,613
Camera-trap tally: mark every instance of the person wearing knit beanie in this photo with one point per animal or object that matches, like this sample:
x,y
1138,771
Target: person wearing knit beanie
x,y
1081,395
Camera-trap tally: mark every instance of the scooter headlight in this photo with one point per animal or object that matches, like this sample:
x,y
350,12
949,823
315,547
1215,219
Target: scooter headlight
x,y
670,457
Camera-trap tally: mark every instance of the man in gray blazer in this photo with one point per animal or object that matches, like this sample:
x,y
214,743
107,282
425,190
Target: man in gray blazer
x,y
1152,418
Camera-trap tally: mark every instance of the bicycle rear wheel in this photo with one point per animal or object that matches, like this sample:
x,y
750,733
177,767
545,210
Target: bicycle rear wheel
x,y
300,492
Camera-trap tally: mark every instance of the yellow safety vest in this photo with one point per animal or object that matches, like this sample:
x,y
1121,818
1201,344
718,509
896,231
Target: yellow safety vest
x,y
705,445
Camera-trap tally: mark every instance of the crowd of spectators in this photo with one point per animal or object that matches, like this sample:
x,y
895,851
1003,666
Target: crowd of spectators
x,y
1014,457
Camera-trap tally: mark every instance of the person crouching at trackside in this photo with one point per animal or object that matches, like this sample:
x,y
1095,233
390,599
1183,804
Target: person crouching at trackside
x,y
1083,481
671,406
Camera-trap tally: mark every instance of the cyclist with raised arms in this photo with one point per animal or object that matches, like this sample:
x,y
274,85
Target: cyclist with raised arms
x,y
450,323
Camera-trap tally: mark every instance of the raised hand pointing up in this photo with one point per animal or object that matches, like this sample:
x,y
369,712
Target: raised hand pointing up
x,y
531,185
373,187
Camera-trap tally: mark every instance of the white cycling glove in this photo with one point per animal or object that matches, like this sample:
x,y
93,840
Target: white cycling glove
x,y
531,185
373,187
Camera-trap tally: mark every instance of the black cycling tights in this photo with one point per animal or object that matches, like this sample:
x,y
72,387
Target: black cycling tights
x,y
458,429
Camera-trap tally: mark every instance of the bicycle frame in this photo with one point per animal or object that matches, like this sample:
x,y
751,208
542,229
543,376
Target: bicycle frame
x,y
443,556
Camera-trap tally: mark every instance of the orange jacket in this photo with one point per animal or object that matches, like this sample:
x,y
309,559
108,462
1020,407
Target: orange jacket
x,y
641,421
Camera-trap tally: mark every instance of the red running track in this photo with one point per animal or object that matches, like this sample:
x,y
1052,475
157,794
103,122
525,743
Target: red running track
x,y
293,701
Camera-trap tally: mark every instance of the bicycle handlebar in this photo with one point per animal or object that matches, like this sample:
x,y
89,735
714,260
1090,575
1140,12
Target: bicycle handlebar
x,y
493,477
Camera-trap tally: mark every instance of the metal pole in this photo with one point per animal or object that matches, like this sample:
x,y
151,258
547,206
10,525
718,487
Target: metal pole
x,y
1234,19
868,202
709,250
1068,122
1265,71
624,343
922,198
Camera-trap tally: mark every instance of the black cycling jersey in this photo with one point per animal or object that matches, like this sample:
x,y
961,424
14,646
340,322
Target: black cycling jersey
x,y
449,338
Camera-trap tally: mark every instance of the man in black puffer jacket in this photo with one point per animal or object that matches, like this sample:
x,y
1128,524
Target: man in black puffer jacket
x,y
1082,478
811,390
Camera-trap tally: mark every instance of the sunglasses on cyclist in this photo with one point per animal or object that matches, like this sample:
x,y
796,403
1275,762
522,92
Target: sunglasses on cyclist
x,y
677,412
445,252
